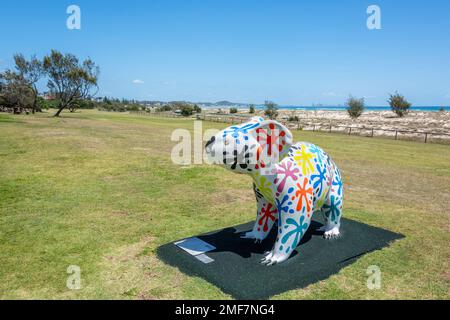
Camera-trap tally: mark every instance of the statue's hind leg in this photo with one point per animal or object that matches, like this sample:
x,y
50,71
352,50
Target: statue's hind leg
x,y
332,208
266,216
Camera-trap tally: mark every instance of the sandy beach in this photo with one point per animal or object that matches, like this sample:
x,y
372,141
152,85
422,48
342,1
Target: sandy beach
x,y
414,120
385,123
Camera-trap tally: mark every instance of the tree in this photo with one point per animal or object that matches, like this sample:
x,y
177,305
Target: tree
x,y
186,109
3,101
233,110
164,108
271,109
252,109
16,93
3,107
30,72
69,80
399,104
197,109
355,107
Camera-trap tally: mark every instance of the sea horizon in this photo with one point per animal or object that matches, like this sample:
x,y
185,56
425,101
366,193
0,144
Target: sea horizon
x,y
335,108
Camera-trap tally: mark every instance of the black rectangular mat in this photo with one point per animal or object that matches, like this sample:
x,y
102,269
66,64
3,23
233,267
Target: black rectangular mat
x,y
236,268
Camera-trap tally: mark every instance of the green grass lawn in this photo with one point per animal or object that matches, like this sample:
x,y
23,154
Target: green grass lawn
x,y
98,190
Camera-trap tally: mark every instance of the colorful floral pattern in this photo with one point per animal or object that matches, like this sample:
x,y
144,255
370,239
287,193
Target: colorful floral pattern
x,y
285,172
318,179
332,210
304,196
304,160
268,213
297,232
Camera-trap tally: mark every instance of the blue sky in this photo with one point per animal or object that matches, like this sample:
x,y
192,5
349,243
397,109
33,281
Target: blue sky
x,y
293,52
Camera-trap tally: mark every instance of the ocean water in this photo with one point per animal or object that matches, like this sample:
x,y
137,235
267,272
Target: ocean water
x,y
341,108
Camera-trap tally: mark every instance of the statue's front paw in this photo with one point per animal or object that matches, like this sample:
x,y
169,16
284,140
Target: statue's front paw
x,y
332,234
274,258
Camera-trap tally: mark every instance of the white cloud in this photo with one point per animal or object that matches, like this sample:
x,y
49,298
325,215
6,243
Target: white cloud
x,y
333,94
138,81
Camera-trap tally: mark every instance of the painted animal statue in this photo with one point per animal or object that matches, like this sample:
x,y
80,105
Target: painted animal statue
x,y
291,181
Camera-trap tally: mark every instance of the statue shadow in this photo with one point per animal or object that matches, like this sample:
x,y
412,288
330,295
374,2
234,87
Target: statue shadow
x,y
229,240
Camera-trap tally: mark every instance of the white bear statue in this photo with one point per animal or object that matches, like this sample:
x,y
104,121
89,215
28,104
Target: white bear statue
x,y
291,181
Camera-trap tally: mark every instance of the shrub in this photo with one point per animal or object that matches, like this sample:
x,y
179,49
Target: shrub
x,y
399,104
442,109
134,107
233,110
164,108
293,118
252,109
86,104
355,107
197,109
271,110
186,110
41,103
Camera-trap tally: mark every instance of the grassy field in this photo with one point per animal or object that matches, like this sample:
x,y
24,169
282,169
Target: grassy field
x,y
98,190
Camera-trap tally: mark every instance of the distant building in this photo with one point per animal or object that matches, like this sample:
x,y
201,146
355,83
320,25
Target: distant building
x,y
47,96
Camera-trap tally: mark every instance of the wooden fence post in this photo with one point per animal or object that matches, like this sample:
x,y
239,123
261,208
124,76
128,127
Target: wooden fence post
x,y
396,134
426,137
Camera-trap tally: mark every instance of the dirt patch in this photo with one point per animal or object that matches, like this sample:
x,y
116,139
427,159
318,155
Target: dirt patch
x,y
121,213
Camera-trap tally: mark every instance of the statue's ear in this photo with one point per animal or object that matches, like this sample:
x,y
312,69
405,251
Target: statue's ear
x,y
256,119
274,141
